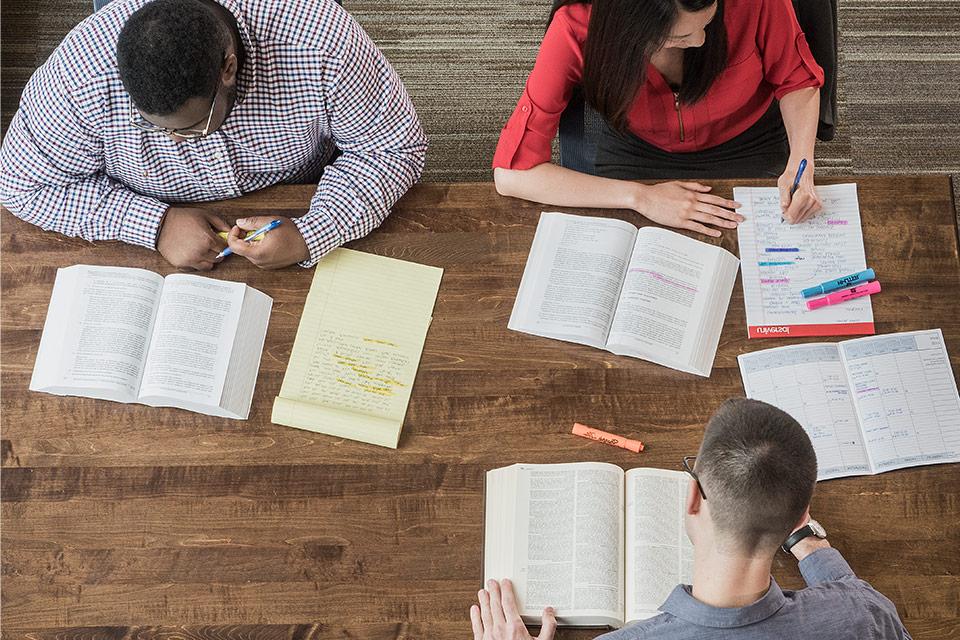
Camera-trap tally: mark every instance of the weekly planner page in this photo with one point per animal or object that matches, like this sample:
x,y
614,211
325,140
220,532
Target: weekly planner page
x,y
869,405
780,259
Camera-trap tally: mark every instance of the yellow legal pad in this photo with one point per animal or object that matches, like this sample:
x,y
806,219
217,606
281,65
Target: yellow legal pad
x,y
358,347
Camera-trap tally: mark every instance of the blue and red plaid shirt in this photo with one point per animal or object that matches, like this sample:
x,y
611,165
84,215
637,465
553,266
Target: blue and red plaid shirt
x,y
312,83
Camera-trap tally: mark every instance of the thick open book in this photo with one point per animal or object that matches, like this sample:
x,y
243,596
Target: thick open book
x,y
648,293
601,546
131,335
869,405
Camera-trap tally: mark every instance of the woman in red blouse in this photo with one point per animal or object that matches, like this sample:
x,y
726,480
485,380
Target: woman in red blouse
x,y
688,89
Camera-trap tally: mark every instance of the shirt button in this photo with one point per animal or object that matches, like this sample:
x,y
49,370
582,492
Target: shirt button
x,y
217,156
524,108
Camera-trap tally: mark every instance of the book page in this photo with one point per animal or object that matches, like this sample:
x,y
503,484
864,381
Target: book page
x,y
780,260
192,342
659,556
569,542
906,398
674,290
572,278
808,381
97,330
244,365
358,347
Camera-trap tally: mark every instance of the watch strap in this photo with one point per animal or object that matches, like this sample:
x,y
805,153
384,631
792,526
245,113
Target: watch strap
x,y
803,532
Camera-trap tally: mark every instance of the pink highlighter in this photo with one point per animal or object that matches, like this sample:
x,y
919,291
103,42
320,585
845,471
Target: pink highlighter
x,y
842,296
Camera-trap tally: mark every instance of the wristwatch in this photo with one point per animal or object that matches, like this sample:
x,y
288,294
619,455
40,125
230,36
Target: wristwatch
x,y
812,528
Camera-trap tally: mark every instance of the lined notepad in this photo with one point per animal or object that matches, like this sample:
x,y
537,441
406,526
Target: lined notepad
x,y
779,260
358,347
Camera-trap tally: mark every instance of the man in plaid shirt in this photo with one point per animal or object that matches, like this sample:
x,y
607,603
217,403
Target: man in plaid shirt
x,y
147,107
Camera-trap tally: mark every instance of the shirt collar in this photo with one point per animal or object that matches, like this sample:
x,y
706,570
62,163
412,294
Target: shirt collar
x,y
681,604
248,72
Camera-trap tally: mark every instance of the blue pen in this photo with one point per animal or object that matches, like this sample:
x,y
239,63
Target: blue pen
x,y
273,224
852,280
796,181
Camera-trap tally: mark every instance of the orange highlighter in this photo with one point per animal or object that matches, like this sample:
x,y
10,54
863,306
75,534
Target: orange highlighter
x,y
590,433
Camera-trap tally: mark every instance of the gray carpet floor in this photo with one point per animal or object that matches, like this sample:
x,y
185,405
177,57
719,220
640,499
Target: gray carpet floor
x,y
465,64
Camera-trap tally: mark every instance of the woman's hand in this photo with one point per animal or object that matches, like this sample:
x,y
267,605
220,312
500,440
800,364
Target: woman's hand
x,y
687,205
804,203
497,616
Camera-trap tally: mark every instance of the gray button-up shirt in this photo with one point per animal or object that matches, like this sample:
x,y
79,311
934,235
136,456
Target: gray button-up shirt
x,y
836,605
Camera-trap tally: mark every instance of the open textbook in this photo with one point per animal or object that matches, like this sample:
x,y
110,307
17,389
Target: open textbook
x,y
131,335
358,347
780,260
601,546
648,293
869,405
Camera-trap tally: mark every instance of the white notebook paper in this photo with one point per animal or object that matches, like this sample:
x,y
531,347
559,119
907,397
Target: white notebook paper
x,y
779,260
648,293
869,405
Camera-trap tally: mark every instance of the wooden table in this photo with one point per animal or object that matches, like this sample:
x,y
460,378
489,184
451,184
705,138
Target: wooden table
x,y
149,522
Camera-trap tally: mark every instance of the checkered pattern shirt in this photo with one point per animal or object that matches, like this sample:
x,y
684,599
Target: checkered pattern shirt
x,y
312,83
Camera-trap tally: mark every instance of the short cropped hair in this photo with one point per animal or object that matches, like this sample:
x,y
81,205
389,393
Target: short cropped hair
x,y
170,51
758,470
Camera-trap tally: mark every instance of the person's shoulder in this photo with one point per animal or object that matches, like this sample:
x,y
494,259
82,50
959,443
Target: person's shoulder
x,y
662,625
852,600
321,25
87,56
575,17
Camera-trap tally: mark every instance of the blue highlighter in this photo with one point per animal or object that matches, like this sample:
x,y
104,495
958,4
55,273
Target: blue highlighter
x,y
840,283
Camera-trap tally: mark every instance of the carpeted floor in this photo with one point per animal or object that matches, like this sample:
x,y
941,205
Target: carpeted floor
x,y
465,63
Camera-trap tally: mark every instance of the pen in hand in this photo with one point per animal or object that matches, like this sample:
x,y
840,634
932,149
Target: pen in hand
x,y
256,235
796,181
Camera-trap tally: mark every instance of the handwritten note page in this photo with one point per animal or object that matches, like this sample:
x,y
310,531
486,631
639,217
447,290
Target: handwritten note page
x,y
358,347
780,259
906,398
808,381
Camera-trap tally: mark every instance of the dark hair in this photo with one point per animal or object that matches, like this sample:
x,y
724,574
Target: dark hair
x,y
170,51
622,36
758,470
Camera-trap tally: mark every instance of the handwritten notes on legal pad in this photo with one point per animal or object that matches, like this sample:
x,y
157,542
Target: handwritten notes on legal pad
x,y
869,405
780,259
358,347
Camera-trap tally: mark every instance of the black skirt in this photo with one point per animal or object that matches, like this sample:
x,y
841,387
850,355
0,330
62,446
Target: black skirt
x,y
759,152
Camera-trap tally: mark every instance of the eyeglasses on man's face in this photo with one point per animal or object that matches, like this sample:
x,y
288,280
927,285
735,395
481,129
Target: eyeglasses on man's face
x,y
688,462
137,120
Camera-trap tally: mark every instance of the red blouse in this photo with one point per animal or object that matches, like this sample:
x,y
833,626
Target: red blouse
x,y
768,58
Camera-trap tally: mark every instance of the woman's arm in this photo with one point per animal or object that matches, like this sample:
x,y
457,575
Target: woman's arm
x,y
801,112
685,205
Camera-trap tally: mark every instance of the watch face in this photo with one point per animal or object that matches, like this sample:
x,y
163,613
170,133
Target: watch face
x,y
817,529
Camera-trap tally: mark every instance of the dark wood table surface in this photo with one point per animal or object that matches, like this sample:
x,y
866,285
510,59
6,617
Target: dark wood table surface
x,y
124,521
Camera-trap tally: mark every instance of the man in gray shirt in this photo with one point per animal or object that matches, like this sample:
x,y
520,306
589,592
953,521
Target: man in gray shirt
x,y
750,490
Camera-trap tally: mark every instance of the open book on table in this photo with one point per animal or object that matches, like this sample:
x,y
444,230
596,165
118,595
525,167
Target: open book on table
x,y
602,546
648,293
131,335
869,405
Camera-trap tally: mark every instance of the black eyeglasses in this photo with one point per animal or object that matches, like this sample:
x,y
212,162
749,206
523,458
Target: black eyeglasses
x,y
688,462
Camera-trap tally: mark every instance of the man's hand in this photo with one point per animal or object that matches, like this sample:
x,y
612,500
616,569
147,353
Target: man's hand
x,y
280,248
497,617
687,205
188,238
804,203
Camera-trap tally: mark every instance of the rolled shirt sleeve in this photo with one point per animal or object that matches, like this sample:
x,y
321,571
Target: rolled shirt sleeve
x,y
52,170
788,63
525,141
383,147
